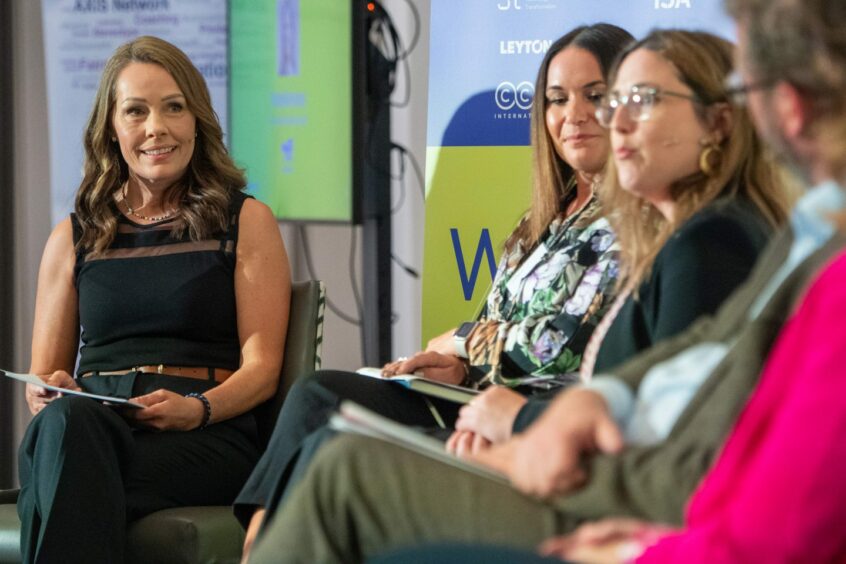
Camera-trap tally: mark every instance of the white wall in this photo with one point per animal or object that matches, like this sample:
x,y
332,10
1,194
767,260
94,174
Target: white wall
x,y
341,340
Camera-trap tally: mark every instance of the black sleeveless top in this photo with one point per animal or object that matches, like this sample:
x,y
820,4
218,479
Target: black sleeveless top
x,y
153,299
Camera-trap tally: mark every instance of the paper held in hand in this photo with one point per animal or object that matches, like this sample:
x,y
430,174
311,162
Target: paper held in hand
x,y
353,418
36,381
449,392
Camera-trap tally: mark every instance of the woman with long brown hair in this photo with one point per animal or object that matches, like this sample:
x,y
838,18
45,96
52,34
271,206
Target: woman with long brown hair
x,y
555,280
692,197
179,283
705,200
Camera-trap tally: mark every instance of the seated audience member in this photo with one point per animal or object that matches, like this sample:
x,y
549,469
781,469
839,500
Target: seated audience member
x,y
689,194
361,496
564,246
776,492
181,285
722,231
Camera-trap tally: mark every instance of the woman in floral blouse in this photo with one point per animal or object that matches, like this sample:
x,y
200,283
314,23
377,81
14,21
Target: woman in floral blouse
x,y
692,197
555,280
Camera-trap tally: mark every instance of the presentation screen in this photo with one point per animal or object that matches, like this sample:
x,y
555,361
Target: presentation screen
x,y
292,98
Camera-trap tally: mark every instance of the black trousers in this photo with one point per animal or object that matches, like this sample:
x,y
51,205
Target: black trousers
x,y
301,429
85,473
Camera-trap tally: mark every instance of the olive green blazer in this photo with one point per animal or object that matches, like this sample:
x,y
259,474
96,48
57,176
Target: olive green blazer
x,y
656,481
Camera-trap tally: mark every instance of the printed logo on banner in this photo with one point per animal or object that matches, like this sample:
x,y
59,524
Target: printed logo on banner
x,y
514,101
671,4
524,46
507,95
504,5
483,249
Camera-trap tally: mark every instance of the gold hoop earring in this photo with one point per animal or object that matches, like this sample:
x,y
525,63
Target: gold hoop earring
x,y
710,159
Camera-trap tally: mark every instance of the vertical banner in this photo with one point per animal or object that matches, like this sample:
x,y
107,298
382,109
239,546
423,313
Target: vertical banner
x,y
483,60
80,35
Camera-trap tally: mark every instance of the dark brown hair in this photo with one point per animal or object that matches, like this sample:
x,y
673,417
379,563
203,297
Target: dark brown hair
x,y
551,175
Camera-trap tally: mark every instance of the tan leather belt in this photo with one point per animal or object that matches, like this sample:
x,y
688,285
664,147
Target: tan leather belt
x,y
197,372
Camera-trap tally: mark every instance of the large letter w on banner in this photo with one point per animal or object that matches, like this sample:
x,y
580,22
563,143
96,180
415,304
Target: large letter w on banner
x,y
485,248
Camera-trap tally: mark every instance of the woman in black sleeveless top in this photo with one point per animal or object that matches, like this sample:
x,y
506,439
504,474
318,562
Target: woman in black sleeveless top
x,y
177,285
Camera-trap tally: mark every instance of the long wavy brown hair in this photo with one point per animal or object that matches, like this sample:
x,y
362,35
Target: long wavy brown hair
x,y
746,169
551,175
204,191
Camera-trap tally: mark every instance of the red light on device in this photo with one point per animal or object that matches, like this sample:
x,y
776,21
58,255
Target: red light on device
x,y
371,7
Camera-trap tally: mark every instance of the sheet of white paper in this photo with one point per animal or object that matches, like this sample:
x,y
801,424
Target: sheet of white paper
x,y
35,380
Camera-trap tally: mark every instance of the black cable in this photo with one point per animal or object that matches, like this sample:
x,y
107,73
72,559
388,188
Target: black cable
x,y
393,49
400,178
353,282
416,37
418,172
396,207
310,267
407,74
408,270
357,295
403,53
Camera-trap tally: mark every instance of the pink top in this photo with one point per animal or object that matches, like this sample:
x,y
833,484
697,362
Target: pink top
x,y
777,492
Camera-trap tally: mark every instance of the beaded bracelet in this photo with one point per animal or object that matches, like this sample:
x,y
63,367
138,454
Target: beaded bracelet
x,y
206,405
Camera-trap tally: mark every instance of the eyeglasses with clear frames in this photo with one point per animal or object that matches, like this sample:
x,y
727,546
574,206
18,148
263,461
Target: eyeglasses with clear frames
x,y
638,103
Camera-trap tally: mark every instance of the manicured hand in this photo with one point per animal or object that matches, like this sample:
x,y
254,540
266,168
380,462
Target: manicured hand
x,y
491,414
37,397
167,411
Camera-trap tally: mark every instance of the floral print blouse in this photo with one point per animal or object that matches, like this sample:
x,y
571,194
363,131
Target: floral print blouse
x,y
538,319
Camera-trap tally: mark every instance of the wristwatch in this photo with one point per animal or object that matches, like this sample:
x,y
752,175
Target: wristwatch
x,y
460,338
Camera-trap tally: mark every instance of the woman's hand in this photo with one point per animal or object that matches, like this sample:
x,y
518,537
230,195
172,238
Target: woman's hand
x,y
445,368
253,529
443,344
167,411
466,443
616,539
37,397
491,414
547,459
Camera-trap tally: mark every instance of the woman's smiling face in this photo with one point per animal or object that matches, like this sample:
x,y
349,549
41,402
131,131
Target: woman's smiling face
x,y
574,87
152,123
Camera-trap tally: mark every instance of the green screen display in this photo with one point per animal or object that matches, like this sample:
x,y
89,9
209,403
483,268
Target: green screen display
x,y
291,105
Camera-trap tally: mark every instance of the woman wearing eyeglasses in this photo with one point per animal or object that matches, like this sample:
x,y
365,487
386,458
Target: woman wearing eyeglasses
x,y
555,280
689,189
694,200
691,196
